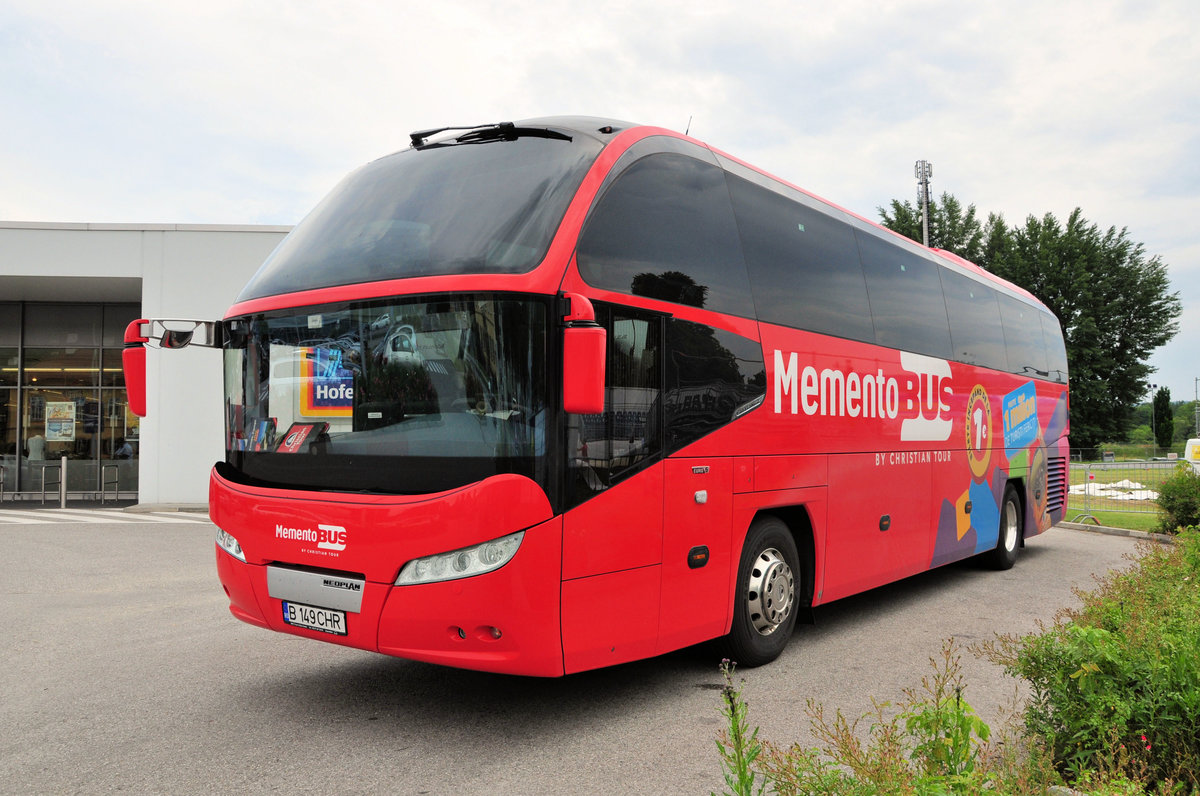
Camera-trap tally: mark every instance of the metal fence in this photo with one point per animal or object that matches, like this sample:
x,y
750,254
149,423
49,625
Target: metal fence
x,y
1125,486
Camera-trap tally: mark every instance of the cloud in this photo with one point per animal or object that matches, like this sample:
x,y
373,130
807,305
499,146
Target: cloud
x,y
249,112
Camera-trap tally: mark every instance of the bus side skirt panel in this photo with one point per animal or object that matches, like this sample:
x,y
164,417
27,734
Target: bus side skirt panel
x,y
610,619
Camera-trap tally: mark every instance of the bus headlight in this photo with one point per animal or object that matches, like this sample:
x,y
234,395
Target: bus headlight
x,y
230,545
463,563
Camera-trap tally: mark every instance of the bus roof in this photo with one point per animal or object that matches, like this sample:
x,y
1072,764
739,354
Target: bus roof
x,y
334,247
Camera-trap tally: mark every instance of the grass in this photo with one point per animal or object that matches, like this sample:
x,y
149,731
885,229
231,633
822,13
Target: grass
x,y
1144,521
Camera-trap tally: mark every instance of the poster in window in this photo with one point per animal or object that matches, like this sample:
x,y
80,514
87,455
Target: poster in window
x,y
329,384
60,421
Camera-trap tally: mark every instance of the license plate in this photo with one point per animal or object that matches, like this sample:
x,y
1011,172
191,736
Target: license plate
x,y
323,620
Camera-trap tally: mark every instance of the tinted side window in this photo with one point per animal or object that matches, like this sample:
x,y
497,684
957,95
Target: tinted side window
x,y
607,448
713,377
906,298
1056,349
802,263
975,327
665,230
1023,336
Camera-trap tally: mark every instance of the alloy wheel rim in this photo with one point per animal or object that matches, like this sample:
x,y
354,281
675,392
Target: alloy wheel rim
x,y
771,592
1010,525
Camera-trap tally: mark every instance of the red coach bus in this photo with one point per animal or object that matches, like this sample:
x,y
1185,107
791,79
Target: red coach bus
x,y
546,396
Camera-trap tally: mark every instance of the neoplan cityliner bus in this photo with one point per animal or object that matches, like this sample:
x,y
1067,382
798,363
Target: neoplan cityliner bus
x,y
545,396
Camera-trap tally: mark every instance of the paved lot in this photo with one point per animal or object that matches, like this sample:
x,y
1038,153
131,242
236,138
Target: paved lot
x,y
22,514
122,670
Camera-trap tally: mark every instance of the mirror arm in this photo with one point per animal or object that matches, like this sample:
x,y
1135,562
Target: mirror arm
x,y
173,333
576,310
584,343
156,333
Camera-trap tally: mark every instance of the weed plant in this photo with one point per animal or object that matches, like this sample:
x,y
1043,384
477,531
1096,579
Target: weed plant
x,y
738,745
932,743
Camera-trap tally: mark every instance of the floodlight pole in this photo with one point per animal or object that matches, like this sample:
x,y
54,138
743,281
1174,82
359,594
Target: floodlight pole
x,y
923,172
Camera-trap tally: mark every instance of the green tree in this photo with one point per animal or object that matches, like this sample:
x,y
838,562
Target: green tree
x,y
1185,421
1115,306
1114,302
951,226
1164,418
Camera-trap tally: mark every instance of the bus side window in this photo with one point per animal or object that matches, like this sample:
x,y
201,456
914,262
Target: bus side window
x,y
974,321
802,263
907,305
1023,336
665,230
713,377
607,448
1056,349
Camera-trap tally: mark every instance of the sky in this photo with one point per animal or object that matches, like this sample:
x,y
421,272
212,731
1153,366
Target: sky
x,y
229,112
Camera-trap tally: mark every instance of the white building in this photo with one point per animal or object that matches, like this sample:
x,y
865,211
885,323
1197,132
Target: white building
x,y
67,292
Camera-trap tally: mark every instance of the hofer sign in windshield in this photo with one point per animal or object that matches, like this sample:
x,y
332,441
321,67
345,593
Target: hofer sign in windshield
x,y
328,384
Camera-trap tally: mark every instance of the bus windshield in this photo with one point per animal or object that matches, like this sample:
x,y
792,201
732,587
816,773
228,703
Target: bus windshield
x,y
480,206
394,396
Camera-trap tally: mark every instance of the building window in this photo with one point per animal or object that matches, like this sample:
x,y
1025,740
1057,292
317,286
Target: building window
x,y
62,395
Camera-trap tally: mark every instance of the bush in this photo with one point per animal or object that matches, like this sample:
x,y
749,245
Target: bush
x,y
1116,683
1179,498
933,744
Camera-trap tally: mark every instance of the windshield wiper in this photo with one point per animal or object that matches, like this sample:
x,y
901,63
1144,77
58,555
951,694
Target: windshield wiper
x,y
479,133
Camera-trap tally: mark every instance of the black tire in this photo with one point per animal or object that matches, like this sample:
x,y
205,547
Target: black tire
x,y
1012,528
768,592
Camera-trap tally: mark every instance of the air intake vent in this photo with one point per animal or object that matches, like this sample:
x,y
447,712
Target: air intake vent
x,y
1056,484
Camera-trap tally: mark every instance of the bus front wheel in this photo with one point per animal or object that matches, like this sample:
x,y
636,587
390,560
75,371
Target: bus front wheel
x,y
764,607
1009,542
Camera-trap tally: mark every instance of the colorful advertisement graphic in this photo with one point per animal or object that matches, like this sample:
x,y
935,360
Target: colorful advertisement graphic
x,y
1020,416
328,385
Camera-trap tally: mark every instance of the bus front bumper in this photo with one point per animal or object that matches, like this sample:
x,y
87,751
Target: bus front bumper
x,y
326,569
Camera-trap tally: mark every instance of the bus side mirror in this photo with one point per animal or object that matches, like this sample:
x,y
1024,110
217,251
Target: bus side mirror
x,y
133,361
583,359
583,370
161,333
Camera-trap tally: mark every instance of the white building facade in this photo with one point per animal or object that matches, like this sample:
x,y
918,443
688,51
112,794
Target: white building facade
x,y
67,291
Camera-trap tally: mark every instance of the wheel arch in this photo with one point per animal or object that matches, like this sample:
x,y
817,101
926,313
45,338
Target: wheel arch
x,y
799,524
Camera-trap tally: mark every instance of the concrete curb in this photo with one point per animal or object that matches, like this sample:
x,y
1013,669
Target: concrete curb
x,y
146,508
1165,538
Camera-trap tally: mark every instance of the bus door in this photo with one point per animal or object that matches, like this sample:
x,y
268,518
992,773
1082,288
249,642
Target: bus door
x,y
613,537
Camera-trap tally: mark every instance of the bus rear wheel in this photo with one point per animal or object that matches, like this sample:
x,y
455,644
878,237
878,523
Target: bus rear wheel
x,y
764,608
1011,528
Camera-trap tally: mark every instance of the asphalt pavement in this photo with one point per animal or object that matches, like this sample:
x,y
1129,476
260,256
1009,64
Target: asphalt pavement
x,y
123,670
